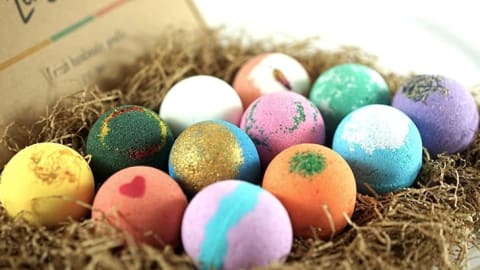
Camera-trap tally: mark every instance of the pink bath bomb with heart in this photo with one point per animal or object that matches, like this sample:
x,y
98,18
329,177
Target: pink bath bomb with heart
x,y
144,202
279,120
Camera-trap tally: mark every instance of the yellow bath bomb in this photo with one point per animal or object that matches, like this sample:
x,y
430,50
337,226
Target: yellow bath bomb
x,y
45,184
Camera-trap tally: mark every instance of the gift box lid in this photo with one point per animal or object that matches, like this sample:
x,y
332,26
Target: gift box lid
x,y
52,48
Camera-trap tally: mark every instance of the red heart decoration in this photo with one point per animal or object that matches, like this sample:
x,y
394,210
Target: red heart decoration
x,y
135,188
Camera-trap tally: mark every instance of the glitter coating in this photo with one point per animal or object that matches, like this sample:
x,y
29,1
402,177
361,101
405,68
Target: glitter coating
x,y
210,151
206,146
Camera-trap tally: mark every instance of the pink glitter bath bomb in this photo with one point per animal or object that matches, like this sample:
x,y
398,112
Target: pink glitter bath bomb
x,y
279,120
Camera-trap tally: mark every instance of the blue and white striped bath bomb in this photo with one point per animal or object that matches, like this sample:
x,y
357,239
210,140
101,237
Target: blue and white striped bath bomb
x,y
382,146
234,224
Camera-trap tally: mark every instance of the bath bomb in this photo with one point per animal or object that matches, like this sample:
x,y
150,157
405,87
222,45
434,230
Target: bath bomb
x,y
144,202
128,136
316,186
236,225
443,110
278,120
45,183
344,88
268,73
382,146
211,151
199,98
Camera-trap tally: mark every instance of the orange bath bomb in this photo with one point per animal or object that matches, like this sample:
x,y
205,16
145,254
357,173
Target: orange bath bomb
x,y
316,186
144,202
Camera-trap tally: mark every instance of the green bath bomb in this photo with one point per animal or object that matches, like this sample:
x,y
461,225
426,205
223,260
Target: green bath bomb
x,y
344,88
128,136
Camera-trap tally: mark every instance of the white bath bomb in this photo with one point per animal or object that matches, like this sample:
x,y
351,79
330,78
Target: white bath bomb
x,y
199,98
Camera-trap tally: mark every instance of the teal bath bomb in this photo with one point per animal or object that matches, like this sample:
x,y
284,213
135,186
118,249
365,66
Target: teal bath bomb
x,y
344,88
128,136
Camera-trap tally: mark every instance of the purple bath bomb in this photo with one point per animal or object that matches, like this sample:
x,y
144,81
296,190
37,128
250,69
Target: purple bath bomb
x,y
233,224
443,110
279,120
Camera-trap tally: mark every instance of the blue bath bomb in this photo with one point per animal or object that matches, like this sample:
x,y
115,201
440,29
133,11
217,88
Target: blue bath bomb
x,y
382,146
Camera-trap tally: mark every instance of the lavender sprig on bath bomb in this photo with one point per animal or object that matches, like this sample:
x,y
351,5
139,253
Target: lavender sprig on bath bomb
x,y
443,110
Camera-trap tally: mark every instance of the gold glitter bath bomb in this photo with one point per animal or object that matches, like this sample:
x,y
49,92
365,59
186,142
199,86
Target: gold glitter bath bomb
x,y
45,182
212,151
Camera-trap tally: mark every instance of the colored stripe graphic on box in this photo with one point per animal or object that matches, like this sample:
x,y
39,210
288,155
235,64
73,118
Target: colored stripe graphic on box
x,y
62,33
71,28
25,53
109,8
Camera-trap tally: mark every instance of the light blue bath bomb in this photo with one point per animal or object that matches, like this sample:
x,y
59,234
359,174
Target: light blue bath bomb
x,y
382,146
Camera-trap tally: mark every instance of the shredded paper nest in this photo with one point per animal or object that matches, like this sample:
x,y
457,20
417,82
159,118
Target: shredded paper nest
x,y
432,224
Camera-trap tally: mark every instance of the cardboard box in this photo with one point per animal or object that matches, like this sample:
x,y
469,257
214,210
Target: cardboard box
x,y
52,48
